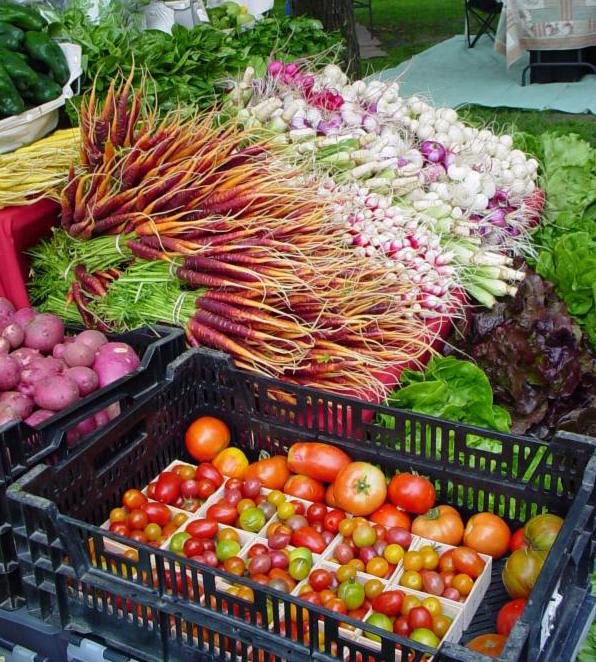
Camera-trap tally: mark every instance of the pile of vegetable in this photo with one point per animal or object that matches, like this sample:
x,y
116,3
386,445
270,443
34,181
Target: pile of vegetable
x,y
229,16
448,203
33,67
43,371
334,532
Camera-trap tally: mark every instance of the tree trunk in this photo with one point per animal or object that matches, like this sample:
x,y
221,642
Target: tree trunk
x,y
335,15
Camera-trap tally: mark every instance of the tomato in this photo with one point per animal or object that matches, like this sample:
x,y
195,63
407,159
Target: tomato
x,y
441,624
333,519
120,529
193,547
379,621
245,504
360,488
168,485
168,529
377,567
227,534
177,541
508,614
304,487
139,536
345,572
463,584
433,606
388,602
206,437
401,627
202,528
442,524
210,472
225,549
466,560
204,488
425,636
320,580
316,460
151,490
299,569
390,516
540,532
414,494
137,519
411,579
364,535
309,538
185,471
488,644
158,513
446,562
413,561
521,571
373,588
222,512
430,557
257,550
253,520
393,553
517,540
133,499
316,512
179,519
273,472
336,605
420,617
231,462
408,603
118,515
488,534
352,593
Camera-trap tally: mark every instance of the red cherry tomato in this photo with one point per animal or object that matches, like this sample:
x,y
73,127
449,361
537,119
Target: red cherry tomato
x,y
508,614
517,540
224,513
316,512
319,579
157,513
257,550
332,520
133,499
120,529
420,617
400,626
304,487
202,528
193,547
388,602
298,507
137,519
390,516
205,488
210,472
308,537
168,487
151,490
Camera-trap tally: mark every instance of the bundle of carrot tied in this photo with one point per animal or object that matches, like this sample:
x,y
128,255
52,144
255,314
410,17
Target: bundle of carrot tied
x,y
209,200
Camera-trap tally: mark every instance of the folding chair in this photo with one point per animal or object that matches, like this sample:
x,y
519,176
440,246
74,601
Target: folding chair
x,y
365,4
484,13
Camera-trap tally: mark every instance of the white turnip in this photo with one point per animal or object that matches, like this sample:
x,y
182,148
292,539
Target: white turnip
x,y
114,360
78,354
23,316
92,338
10,372
24,356
43,332
21,405
55,393
14,334
85,378
39,416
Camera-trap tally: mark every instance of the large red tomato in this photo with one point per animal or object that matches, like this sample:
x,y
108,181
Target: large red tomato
x,y
412,493
442,524
508,614
304,487
330,497
272,472
206,437
360,488
488,644
319,461
521,571
488,534
517,540
390,516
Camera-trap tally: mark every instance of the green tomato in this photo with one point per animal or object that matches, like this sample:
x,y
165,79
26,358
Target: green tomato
x,y
378,621
300,553
426,637
225,549
178,540
352,593
252,519
299,569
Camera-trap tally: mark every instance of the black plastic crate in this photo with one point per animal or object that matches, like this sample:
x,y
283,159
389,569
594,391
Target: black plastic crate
x,y
22,447
57,511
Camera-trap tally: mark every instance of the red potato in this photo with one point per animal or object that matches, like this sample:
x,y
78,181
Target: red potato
x,y
39,416
10,372
23,316
7,311
14,334
43,332
4,345
7,415
77,354
58,350
24,356
21,405
92,338
38,369
113,361
55,393
85,378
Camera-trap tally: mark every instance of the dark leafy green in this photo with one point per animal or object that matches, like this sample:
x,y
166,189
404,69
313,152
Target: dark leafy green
x,y
188,66
536,359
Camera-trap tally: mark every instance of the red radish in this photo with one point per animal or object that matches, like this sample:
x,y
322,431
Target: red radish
x,y
9,372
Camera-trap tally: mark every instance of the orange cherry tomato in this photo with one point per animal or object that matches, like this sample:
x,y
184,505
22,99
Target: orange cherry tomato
x,y
466,560
463,583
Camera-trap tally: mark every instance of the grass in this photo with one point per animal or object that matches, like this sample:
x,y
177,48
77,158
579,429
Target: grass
x,y
408,27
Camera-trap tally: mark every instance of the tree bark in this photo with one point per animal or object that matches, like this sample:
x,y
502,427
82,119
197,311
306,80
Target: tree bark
x,y
335,15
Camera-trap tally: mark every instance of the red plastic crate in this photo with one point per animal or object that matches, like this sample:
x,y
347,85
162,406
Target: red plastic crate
x,y
20,229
